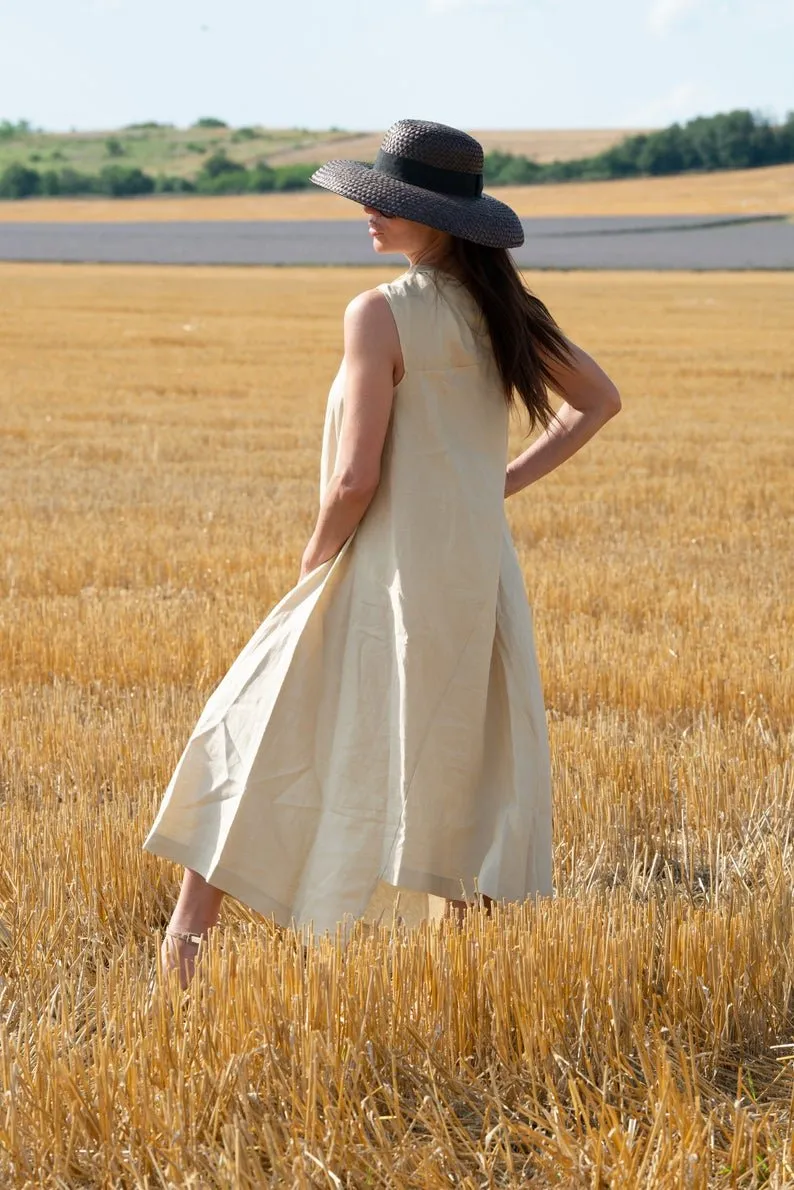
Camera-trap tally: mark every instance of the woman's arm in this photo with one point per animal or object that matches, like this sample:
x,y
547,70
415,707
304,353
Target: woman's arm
x,y
590,400
373,366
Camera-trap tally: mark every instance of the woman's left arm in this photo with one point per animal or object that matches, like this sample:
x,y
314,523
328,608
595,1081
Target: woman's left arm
x,y
373,366
590,399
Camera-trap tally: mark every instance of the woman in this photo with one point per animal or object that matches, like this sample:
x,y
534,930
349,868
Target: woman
x,y
385,723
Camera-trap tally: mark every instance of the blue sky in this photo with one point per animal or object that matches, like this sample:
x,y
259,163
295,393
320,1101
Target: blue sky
x,y
94,64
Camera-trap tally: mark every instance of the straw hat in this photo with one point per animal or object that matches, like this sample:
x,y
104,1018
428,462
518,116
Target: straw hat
x,y
430,173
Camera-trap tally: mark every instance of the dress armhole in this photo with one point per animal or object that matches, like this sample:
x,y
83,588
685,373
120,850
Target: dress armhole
x,y
397,311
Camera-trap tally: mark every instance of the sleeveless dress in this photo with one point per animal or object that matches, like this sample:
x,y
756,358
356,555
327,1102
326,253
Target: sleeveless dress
x,y
383,731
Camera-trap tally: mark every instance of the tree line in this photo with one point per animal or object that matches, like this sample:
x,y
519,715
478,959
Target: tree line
x,y
739,139
219,174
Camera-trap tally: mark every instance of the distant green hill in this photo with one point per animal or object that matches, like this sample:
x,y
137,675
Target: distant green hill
x,y
152,147
212,158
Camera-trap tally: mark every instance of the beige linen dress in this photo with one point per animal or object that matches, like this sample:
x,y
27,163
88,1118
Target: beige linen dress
x,y
383,731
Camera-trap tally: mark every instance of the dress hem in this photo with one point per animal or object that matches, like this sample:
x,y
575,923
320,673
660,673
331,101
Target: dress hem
x,y
229,882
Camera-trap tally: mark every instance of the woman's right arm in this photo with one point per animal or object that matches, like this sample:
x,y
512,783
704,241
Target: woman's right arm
x,y
373,364
589,400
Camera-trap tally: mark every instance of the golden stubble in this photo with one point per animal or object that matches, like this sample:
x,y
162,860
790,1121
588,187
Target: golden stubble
x,y
161,436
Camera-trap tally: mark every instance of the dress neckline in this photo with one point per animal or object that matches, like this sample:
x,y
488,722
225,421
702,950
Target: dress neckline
x,y
443,274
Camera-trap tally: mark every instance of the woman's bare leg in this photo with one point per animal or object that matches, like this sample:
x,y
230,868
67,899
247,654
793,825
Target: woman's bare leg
x,y
197,909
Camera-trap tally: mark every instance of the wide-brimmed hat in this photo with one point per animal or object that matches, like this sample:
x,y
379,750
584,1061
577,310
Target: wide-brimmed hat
x,y
430,173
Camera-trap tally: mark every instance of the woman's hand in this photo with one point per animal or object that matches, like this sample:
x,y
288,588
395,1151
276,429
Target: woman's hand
x,y
304,570
308,563
590,400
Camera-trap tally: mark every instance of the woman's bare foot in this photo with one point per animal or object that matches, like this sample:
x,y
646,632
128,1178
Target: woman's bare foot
x,y
457,909
196,911
179,953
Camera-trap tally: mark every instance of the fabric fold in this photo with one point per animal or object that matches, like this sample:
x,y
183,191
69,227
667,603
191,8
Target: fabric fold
x,y
380,741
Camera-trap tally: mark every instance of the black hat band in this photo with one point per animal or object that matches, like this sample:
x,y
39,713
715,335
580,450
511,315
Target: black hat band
x,y
430,177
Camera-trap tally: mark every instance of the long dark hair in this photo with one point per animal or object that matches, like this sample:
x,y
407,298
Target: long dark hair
x,y
523,334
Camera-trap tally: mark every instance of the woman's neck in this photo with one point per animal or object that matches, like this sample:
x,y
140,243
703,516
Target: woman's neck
x,y
434,258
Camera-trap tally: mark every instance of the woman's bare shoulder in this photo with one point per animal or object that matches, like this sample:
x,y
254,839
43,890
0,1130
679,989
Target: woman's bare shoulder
x,y
368,311
369,324
367,304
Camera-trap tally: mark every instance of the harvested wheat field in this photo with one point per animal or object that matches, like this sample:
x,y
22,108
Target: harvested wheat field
x,y
768,191
161,439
